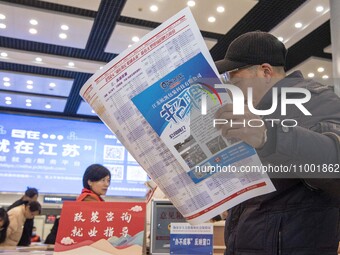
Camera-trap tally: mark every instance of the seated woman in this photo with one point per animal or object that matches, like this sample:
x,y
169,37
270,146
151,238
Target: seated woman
x,y
17,217
4,222
96,181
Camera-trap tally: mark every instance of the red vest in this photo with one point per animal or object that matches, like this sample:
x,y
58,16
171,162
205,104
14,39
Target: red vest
x,y
86,192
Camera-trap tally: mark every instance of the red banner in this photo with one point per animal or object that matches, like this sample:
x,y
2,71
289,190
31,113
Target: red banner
x,y
101,228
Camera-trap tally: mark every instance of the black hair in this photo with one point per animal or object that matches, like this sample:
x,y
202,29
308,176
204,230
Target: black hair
x,y
3,229
34,206
94,173
31,192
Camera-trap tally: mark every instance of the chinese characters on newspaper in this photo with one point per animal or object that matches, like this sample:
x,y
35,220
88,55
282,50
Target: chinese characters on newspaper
x,y
150,97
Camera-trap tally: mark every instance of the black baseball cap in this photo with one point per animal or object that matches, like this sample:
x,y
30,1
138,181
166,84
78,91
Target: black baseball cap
x,y
253,48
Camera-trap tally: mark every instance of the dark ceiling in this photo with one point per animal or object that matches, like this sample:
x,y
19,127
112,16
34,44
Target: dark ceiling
x,y
265,15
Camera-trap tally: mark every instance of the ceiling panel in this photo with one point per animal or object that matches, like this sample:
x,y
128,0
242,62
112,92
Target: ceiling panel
x,y
310,15
35,84
92,5
31,102
328,49
210,42
201,11
317,68
49,61
123,35
85,109
48,26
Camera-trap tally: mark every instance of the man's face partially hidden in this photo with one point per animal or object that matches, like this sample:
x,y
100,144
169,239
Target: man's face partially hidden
x,y
249,77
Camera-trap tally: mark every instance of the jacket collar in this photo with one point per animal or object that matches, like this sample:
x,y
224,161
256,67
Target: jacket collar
x,y
289,81
91,193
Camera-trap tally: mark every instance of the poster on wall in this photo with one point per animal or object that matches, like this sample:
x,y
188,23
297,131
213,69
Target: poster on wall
x,y
97,228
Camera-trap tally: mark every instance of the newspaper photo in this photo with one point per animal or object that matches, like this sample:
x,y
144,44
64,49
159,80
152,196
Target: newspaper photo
x,y
159,98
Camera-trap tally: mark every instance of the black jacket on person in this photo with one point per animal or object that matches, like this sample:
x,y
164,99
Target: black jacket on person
x,y
302,216
25,239
52,236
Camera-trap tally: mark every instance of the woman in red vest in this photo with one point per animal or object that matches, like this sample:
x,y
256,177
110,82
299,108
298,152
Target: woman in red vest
x,y
96,181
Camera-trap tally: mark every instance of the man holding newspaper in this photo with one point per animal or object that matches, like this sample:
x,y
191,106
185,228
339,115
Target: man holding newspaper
x,y
302,215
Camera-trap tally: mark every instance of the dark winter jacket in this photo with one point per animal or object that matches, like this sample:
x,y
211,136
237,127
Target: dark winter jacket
x,y
302,216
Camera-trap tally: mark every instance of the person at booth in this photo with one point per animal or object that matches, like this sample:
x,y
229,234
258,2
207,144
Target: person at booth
x,y
96,181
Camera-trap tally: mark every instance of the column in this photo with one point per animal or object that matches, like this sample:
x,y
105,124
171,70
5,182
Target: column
x,y
335,40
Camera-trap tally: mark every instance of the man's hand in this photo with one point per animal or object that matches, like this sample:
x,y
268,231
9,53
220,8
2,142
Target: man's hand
x,y
238,126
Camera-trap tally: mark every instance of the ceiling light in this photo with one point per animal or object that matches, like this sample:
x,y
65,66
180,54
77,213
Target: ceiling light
x,y
52,85
153,8
191,3
29,86
28,104
29,82
2,26
319,8
129,45
220,9
38,59
298,25
101,67
135,39
321,69
28,100
7,84
93,111
6,79
62,35
8,98
70,64
311,75
280,38
48,106
33,31
8,102
211,19
325,77
3,54
2,16
64,27
33,22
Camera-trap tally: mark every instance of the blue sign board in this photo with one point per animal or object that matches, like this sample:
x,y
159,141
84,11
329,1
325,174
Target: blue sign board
x,y
51,154
188,239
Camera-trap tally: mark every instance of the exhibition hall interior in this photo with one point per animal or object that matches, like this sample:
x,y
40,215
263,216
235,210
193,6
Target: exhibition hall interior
x,y
50,48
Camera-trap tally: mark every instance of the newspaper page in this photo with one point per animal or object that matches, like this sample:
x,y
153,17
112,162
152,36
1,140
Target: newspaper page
x,y
159,97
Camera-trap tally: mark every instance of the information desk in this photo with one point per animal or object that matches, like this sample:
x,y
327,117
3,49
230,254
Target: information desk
x,y
39,249
163,213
